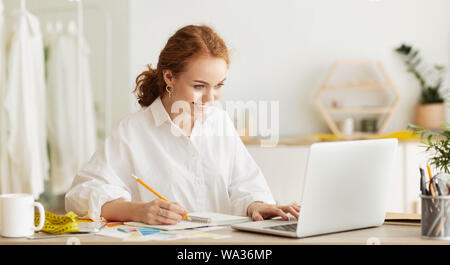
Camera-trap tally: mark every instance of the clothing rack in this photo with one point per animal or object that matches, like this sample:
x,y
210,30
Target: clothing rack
x,y
80,10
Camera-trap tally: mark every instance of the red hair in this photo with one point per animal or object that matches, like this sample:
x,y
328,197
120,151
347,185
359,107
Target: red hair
x,y
186,44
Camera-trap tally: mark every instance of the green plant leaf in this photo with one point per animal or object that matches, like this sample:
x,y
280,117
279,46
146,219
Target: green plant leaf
x,y
430,137
412,59
410,125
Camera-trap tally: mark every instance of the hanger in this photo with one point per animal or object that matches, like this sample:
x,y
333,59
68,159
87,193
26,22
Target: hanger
x,y
50,28
72,28
59,27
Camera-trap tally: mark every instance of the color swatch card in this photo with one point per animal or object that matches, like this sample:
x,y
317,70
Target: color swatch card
x,y
145,231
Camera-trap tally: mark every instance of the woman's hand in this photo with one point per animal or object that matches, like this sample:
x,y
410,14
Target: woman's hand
x,y
259,211
156,212
160,212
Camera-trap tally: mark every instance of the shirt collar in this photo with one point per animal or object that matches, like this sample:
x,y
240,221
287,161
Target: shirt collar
x,y
159,113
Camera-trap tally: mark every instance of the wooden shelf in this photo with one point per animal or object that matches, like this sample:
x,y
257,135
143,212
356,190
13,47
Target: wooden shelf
x,y
359,135
385,111
363,110
357,86
308,139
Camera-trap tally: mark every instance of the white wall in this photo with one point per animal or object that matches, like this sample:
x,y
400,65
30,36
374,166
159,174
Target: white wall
x,y
282,50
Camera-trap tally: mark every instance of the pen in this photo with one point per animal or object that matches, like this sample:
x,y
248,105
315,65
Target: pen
x,y
122,230
432,190
438,189
423,184
157,194
448,189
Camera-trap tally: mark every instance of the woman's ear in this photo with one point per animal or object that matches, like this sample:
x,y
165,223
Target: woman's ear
x,y
168,77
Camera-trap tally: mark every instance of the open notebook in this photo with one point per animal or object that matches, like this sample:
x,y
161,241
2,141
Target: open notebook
x,y
199,219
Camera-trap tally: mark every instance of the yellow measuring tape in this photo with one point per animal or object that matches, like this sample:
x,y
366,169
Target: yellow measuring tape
x,y
56,224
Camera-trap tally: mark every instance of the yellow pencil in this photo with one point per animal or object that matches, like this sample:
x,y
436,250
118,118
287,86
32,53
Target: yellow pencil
x,y
433,192
157,194
429,171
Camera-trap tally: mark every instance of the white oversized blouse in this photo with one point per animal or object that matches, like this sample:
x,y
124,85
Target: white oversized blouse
x,y
209,171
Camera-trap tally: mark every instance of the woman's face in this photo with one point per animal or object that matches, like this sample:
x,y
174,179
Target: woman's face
x,y
200,85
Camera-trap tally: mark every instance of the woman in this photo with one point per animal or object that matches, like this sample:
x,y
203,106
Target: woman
x,y
178,143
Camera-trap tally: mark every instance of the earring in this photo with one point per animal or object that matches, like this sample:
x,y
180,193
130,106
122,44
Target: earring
x,y
169,90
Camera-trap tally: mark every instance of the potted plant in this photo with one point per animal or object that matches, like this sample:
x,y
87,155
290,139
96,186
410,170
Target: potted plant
x,y
435,189
437,144
430,112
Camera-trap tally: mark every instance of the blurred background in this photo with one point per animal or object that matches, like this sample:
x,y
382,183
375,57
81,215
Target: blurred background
x,y
346,69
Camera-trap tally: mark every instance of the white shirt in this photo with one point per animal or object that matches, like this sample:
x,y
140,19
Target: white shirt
x,y
209,171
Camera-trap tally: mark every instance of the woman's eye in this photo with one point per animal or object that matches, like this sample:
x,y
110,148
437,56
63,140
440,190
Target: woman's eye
x,y
220,85
198,86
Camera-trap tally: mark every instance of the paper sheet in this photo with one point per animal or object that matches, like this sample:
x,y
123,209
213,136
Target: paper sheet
x,y
180,226
130,233
113,232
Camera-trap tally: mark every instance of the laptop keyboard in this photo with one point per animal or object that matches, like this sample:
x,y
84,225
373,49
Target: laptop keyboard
x,y
288,228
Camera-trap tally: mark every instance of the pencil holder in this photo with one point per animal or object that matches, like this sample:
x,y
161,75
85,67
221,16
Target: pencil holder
x,y
435,217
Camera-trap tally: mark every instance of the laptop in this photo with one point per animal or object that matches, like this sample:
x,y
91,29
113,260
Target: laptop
x,y
345,188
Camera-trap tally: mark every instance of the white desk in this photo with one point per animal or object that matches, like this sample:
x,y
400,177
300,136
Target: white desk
x,y
385,234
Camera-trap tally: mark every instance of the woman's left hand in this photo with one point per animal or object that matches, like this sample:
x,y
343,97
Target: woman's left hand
x,y
259,211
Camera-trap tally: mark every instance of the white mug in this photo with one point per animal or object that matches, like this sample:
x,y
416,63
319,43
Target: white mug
x,y
17,215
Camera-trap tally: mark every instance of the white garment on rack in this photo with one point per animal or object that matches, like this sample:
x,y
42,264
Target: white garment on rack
x,y
25,106
69,150
2,50
3,151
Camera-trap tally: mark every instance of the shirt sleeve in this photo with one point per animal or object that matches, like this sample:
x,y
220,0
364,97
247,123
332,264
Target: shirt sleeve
x,y
247,183
102,179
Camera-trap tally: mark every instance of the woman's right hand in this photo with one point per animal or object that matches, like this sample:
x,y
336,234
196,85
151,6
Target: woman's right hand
x,y
160,212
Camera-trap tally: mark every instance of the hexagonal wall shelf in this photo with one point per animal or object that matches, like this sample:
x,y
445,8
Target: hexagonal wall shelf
x,y
366,87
